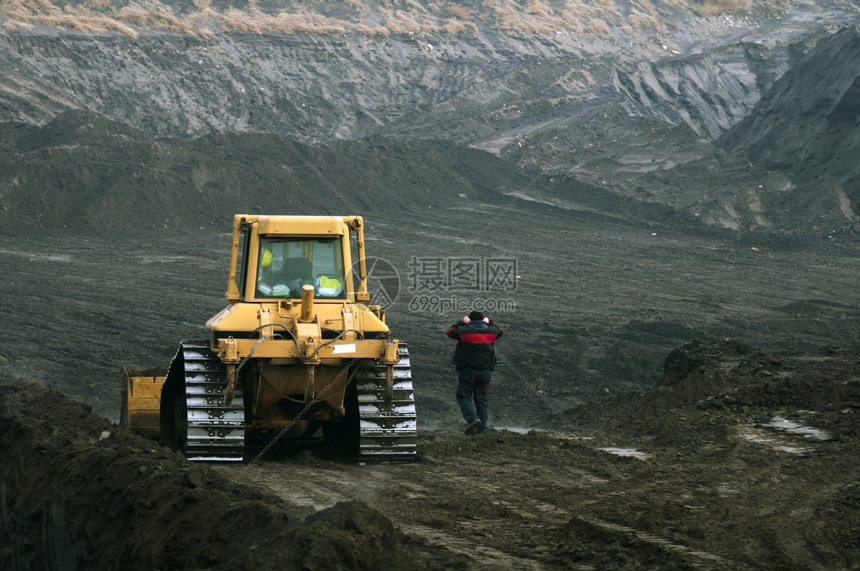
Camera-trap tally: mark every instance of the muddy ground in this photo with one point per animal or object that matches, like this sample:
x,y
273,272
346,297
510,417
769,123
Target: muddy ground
x,y
736,459
667,214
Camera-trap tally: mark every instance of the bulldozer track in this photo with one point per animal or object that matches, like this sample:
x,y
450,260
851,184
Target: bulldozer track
x,y
388,428
214,431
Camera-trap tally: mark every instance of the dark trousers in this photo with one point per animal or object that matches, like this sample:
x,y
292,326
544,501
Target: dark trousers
x,y
473,396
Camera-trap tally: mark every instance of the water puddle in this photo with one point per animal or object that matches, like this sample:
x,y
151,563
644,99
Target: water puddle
x,y
626,452
778,434
791,427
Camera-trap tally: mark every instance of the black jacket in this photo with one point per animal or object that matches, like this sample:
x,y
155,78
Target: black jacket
x,y
475,344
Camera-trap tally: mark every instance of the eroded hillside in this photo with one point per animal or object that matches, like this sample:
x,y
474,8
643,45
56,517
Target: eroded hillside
x,y
649,102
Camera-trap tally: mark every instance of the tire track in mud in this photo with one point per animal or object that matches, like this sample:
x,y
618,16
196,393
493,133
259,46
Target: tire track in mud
x,y
514,514
531,518
465,545
315,488
552,516
692,556
312,487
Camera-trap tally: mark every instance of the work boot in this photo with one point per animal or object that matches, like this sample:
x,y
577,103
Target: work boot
x,y
473,426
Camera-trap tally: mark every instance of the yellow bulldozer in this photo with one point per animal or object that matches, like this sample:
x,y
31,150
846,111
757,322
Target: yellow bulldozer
x,y
298,355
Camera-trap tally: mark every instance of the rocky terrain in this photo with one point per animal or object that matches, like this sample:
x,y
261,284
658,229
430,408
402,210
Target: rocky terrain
x,y
674,184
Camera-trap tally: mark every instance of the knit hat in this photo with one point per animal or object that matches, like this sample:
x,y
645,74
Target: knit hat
x,y
476,316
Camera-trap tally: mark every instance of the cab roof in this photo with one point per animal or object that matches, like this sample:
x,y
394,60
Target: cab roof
x,y
301,226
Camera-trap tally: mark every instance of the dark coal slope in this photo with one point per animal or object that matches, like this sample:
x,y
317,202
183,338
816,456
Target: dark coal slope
x,y
807,123
82,173
156,510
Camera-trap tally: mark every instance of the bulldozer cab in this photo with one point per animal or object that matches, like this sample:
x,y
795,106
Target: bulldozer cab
x,y
276,256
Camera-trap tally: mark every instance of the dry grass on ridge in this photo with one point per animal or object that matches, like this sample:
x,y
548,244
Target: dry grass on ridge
x,y
380,18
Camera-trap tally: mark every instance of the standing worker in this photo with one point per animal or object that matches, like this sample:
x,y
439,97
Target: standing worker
x,y
475,358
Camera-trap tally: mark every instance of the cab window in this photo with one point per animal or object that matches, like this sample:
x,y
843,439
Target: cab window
x,y
285,265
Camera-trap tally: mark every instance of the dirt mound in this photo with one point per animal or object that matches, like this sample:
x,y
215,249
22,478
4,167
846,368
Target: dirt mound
x,y
79,492
728,379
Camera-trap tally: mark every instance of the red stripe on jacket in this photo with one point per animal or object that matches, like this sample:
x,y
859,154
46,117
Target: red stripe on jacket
x,y
478,338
